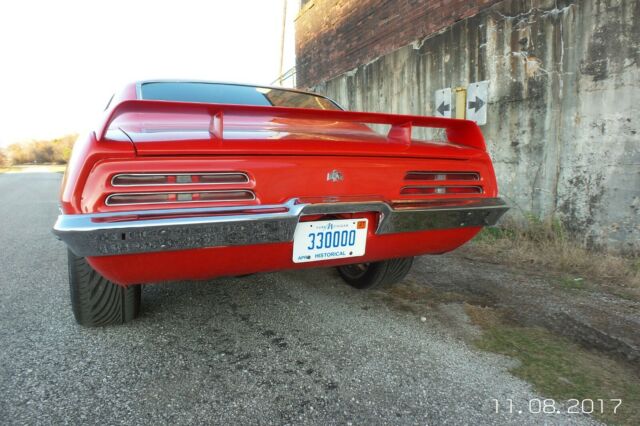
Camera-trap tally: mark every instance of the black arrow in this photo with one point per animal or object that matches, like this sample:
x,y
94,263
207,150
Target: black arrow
x,y
477,104
444,108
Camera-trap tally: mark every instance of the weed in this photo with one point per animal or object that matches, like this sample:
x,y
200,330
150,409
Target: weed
x,y
571,283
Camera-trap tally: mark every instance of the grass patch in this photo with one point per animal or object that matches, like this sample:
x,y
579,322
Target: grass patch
x,y
545,244
413,297
560,369
494,233
570,283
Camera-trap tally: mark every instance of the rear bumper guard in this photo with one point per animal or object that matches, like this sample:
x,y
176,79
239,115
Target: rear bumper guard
x,y
144,231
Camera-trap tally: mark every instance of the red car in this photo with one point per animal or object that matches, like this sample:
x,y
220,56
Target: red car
x,y
187,180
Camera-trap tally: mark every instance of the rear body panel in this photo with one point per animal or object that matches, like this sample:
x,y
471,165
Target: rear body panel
x,y
288,155
201,264
276,178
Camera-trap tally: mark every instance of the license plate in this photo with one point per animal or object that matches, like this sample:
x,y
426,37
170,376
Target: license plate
x,y
329,239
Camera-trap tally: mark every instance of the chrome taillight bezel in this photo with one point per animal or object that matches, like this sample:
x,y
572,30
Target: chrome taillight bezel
x,y
421,190
243,178
442,176
251,197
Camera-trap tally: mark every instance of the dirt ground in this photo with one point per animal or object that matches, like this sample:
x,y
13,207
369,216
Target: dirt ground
x,y
573,337
533,297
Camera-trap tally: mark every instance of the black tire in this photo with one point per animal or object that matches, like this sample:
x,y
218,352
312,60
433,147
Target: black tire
x,y
95,300
376,274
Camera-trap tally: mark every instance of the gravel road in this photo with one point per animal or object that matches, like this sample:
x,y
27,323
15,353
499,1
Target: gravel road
x,y
281,348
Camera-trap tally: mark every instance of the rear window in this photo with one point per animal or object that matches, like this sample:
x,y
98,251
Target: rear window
x,y
217,93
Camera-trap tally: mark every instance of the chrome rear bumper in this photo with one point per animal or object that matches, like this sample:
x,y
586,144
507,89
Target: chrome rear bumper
x,y
103,234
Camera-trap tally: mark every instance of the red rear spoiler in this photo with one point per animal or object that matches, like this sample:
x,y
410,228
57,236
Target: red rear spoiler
x,y
460,132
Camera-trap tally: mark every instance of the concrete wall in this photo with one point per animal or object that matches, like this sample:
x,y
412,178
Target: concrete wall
x,y
564,104
334,36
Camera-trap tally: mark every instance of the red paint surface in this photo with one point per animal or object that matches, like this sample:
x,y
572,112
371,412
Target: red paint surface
x,y
239,260
287,153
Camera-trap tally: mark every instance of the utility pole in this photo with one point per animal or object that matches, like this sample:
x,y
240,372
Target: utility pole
x,y
284,25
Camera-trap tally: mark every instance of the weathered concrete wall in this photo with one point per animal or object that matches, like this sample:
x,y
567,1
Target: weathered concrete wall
x,y
564,104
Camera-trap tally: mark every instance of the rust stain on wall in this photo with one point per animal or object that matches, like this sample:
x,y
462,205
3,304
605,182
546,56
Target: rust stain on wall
x,y
334,36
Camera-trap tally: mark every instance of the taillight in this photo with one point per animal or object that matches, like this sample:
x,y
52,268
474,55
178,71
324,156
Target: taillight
x,y
463,190
442,176
428,190
223,178
154,179
442,183
133,180
179,197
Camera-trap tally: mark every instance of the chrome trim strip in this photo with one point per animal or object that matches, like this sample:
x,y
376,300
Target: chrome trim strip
x,y
144,231
243,174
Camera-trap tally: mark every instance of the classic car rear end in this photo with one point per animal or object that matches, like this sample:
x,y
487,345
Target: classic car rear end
x,y
188,180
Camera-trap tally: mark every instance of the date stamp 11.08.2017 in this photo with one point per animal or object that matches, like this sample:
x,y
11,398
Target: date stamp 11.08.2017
x,y
551,406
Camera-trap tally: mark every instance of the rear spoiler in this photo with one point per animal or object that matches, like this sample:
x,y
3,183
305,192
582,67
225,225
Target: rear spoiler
x,y
459,132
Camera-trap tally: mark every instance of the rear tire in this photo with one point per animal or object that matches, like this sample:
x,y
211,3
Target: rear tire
x,y
95,300
376,274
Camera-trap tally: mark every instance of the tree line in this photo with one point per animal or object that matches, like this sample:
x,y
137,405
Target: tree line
x,y
53,151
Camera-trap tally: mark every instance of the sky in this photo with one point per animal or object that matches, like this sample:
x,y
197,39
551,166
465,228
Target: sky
x,y
60,61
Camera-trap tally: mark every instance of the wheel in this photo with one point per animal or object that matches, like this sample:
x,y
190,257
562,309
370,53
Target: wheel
x,y
376,274
95,300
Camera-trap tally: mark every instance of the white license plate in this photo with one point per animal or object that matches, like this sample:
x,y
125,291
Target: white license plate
x,y
329,239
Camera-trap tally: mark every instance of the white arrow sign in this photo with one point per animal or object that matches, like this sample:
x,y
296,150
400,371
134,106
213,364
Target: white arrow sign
x,y
443,103
477,96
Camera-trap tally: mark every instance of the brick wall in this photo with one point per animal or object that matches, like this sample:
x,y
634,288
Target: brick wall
x,y
334,36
